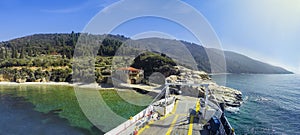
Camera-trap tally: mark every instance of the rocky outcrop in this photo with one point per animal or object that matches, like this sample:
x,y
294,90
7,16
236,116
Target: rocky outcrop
x,y
219,94
19,80
229,96
41,80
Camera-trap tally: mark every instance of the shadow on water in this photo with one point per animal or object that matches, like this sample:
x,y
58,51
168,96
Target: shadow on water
x,y
50,109
20,117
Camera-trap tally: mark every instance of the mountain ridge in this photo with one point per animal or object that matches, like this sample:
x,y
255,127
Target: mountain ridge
x,y
259,61
235,62
63,43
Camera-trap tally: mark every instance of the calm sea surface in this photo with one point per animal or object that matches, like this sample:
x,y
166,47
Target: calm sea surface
x,y
54,110
271,106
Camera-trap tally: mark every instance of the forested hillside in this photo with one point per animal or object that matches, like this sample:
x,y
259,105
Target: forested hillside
x,y
48,57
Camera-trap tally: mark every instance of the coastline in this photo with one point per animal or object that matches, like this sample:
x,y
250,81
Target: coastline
x,y
37,83
218,74
220,94
90,86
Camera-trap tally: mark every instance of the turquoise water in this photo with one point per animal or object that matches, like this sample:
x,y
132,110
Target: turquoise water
x,y
271,107
54,110
272,103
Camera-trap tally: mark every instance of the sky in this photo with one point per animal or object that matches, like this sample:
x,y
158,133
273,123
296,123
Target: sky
x,y
265,30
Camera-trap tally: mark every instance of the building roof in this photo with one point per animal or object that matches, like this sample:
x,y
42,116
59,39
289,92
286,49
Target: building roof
x,y
129,69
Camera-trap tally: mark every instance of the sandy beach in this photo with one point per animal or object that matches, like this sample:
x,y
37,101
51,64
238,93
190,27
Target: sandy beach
x,y
91,86
37,83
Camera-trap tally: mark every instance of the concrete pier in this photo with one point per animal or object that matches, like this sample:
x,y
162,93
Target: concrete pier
x,y
182,120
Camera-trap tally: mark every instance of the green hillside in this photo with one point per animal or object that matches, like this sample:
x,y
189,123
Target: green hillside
x,y
48,57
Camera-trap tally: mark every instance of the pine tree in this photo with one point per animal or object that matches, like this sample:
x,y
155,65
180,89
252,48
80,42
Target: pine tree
x,y
1,53
30,53
57,41
63,42
100,51
22,54
34,53
6,52
69,54
73,38
63,54
13,52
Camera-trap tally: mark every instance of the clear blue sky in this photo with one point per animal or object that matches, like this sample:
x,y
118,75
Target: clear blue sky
x,y
266,30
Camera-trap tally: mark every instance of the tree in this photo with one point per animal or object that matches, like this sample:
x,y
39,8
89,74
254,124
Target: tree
x,y
6,53
22,54
34,53
100,51
57,42
30,53
69,54
14,53
73,40
1,53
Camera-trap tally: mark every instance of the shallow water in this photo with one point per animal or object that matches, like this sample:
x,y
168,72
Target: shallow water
x,y
271,105
48,110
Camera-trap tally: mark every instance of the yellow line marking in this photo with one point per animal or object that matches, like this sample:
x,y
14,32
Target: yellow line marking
x,y
175,106
172,125
162,118
190,132
146,127
198,106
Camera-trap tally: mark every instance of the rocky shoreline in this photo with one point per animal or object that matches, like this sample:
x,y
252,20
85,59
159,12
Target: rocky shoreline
x,y
219,94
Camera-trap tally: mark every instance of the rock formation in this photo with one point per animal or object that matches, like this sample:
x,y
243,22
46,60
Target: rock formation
x,y
219,94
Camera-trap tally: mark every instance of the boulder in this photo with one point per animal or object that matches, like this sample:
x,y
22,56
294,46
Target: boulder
x,y
19,80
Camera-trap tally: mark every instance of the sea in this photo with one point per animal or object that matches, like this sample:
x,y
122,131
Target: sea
x,y
54,110
271,107
271,103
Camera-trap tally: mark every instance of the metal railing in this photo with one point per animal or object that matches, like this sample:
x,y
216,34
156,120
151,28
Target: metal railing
x,y
142,118
129,126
